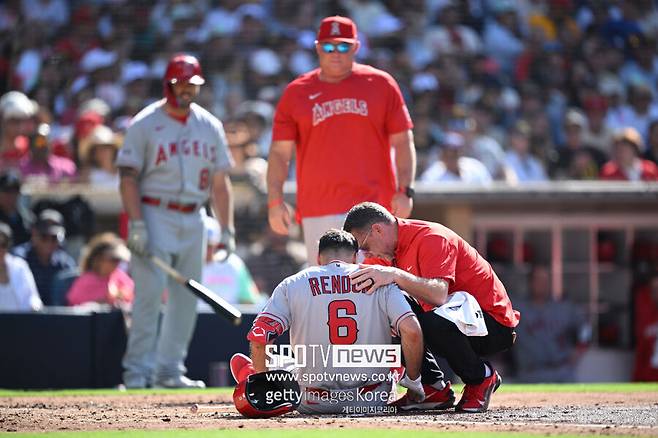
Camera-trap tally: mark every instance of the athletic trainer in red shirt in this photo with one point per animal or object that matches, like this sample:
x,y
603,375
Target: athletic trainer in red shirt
x,y
345,121
430,262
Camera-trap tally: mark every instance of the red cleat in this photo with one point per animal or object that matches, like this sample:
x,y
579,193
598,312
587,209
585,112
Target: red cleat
x,y
434,399
475,398
241,367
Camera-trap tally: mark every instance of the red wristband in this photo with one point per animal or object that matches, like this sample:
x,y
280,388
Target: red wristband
x,y
275,202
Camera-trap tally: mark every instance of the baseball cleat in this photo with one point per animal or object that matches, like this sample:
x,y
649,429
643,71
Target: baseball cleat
x,y
434,399
179,382
475,398
241,367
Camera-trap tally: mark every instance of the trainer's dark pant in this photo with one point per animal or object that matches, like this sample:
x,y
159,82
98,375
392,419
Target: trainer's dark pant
x,y
462,352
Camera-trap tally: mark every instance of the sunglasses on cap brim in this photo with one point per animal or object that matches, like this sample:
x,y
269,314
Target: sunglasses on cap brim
x,y
339,47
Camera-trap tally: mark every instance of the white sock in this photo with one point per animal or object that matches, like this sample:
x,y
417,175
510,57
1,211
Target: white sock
x,y
487,371
440,385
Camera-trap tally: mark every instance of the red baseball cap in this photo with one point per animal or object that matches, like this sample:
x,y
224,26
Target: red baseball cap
x,y
595,103
337,28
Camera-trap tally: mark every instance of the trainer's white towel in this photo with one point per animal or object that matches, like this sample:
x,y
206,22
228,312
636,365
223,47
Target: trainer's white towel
x,y
464,311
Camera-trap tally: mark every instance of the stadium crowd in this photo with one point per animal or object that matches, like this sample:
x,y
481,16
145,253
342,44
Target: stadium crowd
x,y
536,89
509,90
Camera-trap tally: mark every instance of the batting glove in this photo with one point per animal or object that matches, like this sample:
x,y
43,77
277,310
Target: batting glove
x,y
227,241
138,237
415,389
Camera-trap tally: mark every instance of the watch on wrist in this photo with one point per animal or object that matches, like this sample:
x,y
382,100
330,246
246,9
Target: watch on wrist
x,y
409,191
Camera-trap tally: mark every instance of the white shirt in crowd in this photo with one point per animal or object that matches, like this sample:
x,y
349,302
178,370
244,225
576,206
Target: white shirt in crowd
x,y
526,168
20,293
470,171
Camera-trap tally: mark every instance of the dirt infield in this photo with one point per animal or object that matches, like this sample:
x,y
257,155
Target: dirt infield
x,y
546,413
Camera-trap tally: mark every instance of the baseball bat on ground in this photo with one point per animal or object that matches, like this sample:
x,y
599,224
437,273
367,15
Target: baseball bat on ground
x,y
217,303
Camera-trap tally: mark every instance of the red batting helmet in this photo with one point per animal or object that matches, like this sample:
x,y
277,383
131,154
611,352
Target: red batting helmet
x,y
181,68
268,394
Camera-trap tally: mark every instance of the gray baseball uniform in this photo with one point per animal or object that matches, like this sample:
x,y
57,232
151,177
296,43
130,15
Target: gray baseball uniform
x,y
320,308
175,161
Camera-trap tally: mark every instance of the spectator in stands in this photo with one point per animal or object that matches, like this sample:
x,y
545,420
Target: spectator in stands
x,y
451,37
257,115
641,109
16,119
97,154
102,280
12,210
42,164
641,67
44,254
135,77
85,122
453,166
646,332
274,258
501,37
555,21
597,133
227,277
627,164
553,335
249,165
479,143
652,142
519,158
47,14
18,292
575,159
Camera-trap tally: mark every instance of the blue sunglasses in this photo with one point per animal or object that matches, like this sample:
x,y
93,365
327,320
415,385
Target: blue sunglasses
x,y
340,47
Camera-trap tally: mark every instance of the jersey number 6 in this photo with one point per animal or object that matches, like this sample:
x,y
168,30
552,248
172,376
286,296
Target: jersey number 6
x,y
336,322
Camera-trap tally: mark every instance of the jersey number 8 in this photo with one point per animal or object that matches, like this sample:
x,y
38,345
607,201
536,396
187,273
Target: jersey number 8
x,y
204,179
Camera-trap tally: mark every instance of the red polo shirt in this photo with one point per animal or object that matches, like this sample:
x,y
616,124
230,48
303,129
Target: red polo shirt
x,y
430,250
342,135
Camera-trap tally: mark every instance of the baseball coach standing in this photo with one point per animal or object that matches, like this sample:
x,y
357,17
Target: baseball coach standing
x,y
343,118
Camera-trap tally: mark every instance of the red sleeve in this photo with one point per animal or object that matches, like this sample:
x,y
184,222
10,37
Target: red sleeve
x,y
266,329
610,171
398,118
437,258
649,171
284,126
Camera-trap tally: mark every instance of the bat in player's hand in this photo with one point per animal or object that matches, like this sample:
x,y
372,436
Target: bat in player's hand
x,y
217,303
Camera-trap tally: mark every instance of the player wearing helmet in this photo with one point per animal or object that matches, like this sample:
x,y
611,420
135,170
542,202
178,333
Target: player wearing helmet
x,y
174,158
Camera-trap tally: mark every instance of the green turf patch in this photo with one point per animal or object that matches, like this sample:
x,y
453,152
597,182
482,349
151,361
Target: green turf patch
x,y
579,387
506,387
288,433
110,391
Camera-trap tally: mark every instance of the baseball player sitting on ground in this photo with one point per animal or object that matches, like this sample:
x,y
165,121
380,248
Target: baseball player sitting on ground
x,y
320,309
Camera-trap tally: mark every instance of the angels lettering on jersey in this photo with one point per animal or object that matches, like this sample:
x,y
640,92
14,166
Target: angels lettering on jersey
x,y
185,147
324,110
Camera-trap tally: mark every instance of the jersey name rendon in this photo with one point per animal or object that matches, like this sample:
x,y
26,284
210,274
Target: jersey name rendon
x,y
334,284
324,110
186,147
